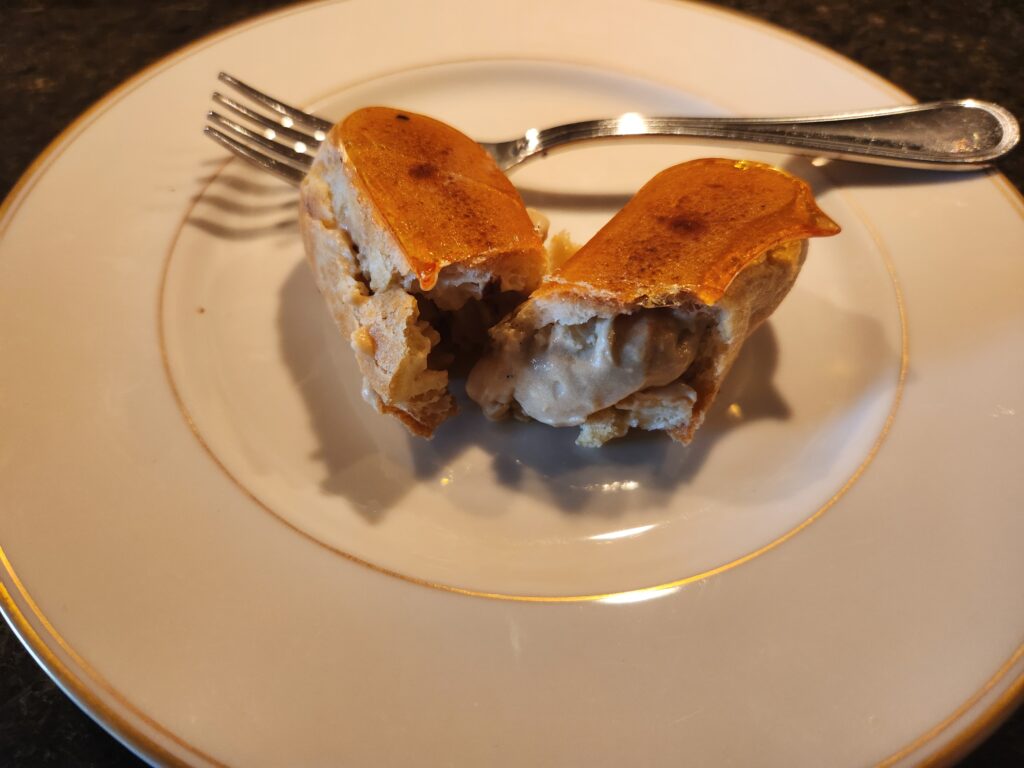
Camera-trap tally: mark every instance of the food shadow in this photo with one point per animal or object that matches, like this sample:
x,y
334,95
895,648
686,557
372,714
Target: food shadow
x,y
848,363
350,449
642,469
373,463
244,207
235,207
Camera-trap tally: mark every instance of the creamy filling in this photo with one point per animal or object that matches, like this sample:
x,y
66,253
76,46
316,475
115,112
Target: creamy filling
x,y
562,374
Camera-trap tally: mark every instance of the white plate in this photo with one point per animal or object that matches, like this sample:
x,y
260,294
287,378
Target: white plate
x,y
227,558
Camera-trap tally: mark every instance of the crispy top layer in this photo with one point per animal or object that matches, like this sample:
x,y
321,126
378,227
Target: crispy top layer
x,y
439,192
690,230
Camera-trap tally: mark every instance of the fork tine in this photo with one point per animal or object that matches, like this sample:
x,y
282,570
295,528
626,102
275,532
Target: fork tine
x,y
279,131
276,167
297,115
295,157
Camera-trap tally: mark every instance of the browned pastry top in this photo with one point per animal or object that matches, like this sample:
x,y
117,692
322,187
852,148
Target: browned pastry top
x,y
439,192
689,231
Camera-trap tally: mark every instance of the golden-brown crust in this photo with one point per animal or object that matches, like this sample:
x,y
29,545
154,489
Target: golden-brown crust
x,y
440,194
689,232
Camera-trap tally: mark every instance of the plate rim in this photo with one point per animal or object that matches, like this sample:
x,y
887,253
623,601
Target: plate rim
x,y
143,745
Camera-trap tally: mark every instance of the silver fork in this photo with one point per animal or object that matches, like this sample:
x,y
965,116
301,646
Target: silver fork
x,y
942,135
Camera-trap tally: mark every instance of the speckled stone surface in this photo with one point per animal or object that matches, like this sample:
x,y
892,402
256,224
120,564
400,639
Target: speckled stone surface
x,y
57,57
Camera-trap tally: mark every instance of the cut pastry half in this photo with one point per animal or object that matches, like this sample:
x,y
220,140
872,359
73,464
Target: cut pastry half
x,y
419,244
639,327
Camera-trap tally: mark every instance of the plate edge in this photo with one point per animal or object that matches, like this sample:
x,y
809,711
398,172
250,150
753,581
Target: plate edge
x,y
969,736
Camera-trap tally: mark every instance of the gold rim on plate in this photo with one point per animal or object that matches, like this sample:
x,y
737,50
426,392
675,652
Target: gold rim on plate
x,y
144,744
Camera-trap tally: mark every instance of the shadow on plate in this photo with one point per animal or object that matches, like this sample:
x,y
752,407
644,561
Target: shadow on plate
x,y
352,437
642,468
234,207
838,174
372,462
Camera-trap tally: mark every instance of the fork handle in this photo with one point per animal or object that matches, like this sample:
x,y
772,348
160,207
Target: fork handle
x,y
951,135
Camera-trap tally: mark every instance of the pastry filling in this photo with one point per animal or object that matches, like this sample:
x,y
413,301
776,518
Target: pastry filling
x,y
452,318
564,374
459,335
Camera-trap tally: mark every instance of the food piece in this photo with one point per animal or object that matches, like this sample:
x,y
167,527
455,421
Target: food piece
x,y
419,243
640,326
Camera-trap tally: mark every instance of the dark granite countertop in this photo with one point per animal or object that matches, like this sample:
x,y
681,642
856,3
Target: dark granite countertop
x,y
59,56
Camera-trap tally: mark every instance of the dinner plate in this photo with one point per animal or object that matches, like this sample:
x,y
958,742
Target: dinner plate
x,y
226,557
